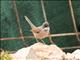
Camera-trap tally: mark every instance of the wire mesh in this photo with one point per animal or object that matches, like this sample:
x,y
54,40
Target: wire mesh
x,y
34,11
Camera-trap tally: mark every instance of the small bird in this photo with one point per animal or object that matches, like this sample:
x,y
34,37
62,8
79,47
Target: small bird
x,y
39,32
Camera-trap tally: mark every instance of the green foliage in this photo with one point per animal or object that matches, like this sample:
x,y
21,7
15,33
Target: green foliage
x,y
5,56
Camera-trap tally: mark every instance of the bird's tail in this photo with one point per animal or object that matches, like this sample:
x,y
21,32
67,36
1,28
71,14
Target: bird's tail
x,y
30,23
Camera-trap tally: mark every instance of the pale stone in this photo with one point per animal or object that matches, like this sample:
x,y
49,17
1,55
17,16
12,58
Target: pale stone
x,y
76,54
21,54
40,51
69,56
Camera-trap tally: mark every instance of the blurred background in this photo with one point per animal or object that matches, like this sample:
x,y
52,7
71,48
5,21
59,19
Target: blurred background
x,y
58,15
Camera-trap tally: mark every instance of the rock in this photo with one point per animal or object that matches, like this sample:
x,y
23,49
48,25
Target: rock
x,y
73,56
69,56
45,52
40,51
76,54
56,53
21,54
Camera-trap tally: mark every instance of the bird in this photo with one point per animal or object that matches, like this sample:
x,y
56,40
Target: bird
x,y
39,32
42,31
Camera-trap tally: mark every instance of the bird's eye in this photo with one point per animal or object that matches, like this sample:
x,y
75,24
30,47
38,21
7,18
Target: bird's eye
x,y
37,32
46,25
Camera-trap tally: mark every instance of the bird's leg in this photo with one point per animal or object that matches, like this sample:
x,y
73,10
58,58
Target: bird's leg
x,y
36,40
50,39
35,37
42,41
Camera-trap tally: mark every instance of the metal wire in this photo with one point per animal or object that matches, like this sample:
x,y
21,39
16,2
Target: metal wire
x,y
52,35
43,9
45,17
73,20
64,34
18,21
73,47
